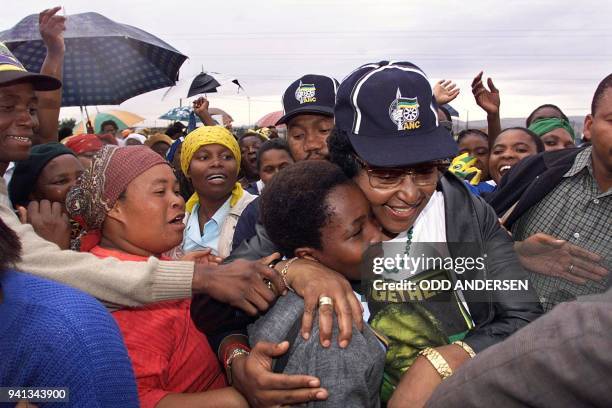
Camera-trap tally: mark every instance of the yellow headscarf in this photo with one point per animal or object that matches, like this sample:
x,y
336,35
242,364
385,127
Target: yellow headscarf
x,y
207,135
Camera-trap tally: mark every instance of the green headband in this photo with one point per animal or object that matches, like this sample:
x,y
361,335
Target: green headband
x,y
542,126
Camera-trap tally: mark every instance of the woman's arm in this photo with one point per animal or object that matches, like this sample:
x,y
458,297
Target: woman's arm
x,y
223,398
52,29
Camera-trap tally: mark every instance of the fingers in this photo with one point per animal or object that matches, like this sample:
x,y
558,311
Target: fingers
x,y
23,214
491,86
259,295
293,397
579,252
271,350
356,310
587,269
247,307
268,259
56,210
344,311
477,78
579,272
272,276
310,304
326,322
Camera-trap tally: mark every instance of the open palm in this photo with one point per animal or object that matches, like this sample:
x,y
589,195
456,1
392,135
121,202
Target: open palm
x,y
487,99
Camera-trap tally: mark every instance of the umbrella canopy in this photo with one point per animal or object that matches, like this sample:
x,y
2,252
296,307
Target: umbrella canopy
x,y
203,83
182,114
270,119
123,119
105,63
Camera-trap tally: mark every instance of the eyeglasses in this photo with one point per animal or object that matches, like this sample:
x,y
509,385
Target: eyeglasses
x,y
389,177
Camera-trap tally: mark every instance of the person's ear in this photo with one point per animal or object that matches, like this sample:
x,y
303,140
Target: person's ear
x,y
588,121
307,253
118,213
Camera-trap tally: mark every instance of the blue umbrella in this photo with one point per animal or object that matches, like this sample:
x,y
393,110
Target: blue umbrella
x,y
181,114
106,62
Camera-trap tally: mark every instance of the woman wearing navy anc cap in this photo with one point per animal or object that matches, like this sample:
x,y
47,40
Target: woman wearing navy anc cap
x,y
388,139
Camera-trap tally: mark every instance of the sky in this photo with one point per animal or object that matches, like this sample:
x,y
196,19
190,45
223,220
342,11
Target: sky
x,y
545,51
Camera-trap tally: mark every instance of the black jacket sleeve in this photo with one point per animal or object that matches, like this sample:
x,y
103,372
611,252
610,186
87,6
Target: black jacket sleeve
x,y
498,314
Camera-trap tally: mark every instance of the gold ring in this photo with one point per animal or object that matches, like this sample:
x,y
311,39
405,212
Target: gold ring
x,y
325,300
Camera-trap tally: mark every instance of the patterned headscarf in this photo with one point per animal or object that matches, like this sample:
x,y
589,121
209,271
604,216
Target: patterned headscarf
x,y
207,135
542,126
98,189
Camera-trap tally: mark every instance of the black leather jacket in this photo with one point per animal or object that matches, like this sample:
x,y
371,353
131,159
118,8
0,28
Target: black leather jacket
x,y
468,220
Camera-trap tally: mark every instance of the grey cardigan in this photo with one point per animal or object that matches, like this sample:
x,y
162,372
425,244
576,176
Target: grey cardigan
x,y
352,376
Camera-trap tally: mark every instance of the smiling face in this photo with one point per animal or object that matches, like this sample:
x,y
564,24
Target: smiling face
x,y
148,218
213,171
349,232
397,208
510,147
18,118
56,178
557,139
271,162
477,146
307,136
249,146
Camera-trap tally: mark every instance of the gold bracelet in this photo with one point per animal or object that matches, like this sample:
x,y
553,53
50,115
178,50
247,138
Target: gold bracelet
x,y
465,347
284,271
228,363
437,361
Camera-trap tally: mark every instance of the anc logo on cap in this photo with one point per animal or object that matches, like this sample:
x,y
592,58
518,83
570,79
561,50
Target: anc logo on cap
x,y
8,62
404,112
306,93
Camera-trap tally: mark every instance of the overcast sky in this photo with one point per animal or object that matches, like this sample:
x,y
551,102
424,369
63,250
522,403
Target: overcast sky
x,y
545,51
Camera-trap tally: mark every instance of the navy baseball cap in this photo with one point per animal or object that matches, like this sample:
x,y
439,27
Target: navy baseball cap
x,y
391,117
309,94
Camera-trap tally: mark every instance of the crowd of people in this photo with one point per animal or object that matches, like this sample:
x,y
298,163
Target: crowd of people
x,y
198,267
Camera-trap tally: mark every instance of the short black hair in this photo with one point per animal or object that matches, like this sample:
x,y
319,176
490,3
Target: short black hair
x,y
536,139
601,88
109,122
251,133
272,144
10,247
173,129
477,132
546,105
294,204
64,132
341,152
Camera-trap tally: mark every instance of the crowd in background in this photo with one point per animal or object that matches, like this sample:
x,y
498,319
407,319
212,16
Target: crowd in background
x,y
198,267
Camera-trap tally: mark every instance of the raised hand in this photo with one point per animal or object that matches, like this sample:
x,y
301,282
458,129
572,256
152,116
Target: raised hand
x,y
49,221
445,91
487,99
52,27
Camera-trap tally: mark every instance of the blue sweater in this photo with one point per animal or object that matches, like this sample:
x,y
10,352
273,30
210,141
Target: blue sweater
x,y
52,335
